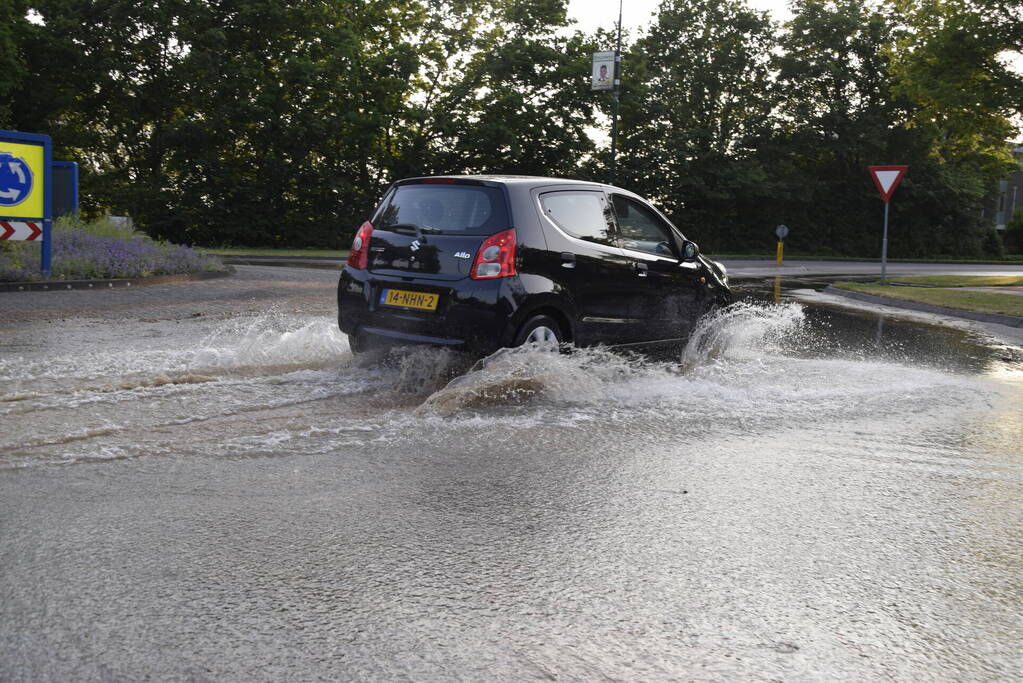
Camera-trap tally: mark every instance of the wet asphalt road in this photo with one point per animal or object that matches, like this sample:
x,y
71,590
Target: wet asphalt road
x,y
197,482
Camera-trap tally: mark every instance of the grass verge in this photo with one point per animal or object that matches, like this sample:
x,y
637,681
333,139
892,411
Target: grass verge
x,y
980,302
961,280
1009,259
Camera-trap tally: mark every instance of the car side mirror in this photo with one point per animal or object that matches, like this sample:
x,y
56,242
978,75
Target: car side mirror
x,y
689,251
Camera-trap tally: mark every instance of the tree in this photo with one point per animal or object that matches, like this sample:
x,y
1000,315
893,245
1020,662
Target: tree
x,y
283,138
269,122
958,96
499,90
102,80
697,107
13,20
837,118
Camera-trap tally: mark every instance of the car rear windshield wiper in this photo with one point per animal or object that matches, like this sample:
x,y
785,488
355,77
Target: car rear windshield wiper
x,y
412,229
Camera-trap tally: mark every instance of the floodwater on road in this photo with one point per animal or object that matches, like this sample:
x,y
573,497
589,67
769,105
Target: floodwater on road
x,y
803,494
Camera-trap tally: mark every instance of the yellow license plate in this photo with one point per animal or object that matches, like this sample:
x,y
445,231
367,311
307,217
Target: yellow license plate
x,y
404,299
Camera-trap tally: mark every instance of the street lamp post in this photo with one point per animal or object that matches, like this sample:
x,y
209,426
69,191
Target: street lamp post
x,y
617,98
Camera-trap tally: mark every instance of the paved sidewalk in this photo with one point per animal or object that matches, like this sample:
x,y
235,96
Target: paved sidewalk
x,y
1015,291
799,268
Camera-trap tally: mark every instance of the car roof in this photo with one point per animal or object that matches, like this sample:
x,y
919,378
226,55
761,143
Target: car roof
x,y
509,179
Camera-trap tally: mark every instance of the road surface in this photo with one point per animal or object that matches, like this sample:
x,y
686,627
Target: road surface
x,y
198,482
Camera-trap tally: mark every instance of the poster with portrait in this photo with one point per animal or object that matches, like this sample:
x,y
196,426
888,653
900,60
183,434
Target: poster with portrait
x,y
604,70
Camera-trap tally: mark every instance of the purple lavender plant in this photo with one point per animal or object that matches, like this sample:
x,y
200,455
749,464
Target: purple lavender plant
x,y
80,255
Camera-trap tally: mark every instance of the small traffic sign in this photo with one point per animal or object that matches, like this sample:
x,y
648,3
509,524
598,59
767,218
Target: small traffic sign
x,y
26,231
887,178
782,231
15,180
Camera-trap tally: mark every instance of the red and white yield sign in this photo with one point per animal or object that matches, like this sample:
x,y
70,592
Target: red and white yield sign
x,y
20,230
887,178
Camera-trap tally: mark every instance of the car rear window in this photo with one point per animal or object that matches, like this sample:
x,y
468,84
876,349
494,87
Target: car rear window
x,y
446,209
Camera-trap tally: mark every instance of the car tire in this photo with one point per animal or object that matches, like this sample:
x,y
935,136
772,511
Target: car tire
x,y
357,344
541,331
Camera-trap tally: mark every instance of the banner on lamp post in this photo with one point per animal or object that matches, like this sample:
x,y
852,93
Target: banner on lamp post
x,y
603,77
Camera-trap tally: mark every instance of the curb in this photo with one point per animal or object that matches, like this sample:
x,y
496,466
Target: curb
x,y
295,262
999,318
64,285
275,257
852,259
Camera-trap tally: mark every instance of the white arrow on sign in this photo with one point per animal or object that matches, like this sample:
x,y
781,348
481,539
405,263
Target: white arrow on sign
x,y
9,194
18,171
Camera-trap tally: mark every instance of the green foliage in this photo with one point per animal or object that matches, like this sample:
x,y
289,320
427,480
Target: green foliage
x,y
104,226
279,123
1013,237
12,64
696,109
836,120
497,91
992,245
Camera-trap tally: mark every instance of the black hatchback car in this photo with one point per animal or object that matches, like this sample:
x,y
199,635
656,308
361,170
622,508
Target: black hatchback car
x,y
483,262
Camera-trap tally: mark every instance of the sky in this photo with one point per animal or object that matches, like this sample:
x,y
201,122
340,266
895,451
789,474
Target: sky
x,y
637,13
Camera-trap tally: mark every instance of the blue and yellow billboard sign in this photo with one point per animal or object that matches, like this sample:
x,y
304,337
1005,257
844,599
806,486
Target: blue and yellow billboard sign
x,y
26,189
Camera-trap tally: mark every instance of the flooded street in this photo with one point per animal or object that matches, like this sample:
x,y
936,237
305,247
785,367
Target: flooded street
x,y
215,489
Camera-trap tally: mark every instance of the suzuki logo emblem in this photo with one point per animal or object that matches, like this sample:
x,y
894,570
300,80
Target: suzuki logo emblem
x,y
414,246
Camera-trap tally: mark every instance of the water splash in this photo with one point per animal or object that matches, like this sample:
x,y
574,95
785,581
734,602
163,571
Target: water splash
x,y
743,330
584,376
271,343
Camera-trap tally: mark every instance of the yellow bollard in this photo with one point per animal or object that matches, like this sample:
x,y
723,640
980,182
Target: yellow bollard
x,y
781,252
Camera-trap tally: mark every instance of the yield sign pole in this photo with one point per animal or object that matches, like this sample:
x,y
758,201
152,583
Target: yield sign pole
x,y
886,178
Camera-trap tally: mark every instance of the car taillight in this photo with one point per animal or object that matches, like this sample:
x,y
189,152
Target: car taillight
x,y
359,256
496,257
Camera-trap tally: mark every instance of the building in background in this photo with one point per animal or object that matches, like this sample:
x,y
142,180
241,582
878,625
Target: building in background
x,y
1008,196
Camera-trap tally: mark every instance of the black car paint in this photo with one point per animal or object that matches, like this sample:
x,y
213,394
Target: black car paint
x,y
598,294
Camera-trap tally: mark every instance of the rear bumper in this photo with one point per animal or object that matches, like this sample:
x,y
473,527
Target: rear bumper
x,y
473,315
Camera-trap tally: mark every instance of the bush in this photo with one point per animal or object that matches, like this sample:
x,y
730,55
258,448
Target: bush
x,y
1013,236
98,250
992,244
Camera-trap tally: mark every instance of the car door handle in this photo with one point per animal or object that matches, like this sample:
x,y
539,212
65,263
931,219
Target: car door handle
x,y
642,269
567,259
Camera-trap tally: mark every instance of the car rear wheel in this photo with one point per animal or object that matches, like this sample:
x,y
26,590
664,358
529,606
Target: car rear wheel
x,y
540,331
357,344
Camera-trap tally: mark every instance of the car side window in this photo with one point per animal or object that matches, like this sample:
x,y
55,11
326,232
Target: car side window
x,y
583,215
642,229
